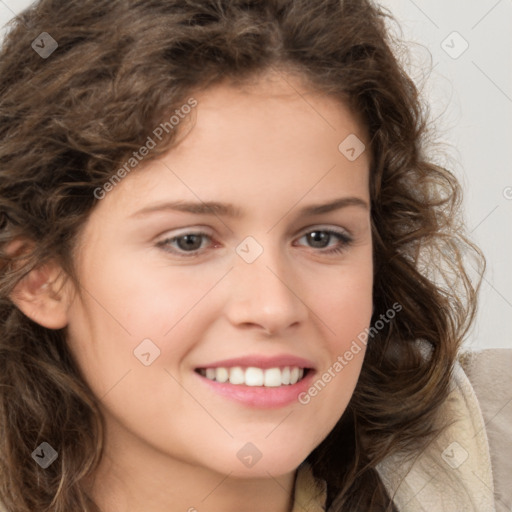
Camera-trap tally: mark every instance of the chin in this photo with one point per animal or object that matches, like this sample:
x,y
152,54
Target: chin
x,y
261,459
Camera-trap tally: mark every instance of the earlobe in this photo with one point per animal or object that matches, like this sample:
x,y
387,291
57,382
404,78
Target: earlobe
x,y
42,296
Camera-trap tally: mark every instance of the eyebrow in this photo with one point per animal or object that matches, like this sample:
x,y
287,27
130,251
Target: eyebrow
x,y
229,210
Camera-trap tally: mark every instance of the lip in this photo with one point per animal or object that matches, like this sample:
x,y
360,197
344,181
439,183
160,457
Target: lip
x,y
260,397
263,362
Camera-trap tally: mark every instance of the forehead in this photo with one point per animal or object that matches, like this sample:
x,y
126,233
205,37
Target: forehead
x,y
269,139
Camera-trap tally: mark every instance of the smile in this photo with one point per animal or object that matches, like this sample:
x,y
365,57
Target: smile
x,y
253,376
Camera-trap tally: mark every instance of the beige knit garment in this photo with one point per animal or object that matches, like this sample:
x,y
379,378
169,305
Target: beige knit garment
x,y
454,474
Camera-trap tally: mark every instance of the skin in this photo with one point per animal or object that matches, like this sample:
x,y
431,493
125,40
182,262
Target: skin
x,y
171,442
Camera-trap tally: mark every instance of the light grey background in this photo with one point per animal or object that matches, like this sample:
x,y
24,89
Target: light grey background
x,y
472,92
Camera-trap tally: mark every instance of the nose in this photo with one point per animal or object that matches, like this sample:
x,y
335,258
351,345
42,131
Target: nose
x,y
266,295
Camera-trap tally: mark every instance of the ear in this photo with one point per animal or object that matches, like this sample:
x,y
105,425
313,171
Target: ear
x,y
43,296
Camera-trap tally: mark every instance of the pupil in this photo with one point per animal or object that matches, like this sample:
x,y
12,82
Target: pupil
x,y
319,236
191,242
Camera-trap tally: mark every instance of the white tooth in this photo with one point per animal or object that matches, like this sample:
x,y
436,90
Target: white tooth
x,y
236,375
221,375
301,373
210,373
272,377
253,376
285,375
294,375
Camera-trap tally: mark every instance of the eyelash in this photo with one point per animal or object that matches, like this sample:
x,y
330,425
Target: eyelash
x,y
345,242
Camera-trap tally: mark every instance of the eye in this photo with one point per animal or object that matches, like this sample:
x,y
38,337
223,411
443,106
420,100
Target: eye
x,y
187,243
320,239
193,243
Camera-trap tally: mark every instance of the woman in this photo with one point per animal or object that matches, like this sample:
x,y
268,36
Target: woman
x,y
231,277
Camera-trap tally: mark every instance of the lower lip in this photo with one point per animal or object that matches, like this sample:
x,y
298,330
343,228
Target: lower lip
x,y
260,396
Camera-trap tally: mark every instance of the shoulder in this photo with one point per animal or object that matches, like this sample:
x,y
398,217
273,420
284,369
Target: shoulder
x,y
465,466
490,374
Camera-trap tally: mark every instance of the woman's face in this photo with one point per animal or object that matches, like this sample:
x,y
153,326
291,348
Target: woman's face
x,y
273,282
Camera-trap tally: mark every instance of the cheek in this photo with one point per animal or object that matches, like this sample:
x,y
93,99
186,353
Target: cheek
x,y
345,311
123,305
131,298
345,306
331,389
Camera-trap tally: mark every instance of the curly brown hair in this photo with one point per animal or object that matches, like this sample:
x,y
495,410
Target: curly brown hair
x,y
69,120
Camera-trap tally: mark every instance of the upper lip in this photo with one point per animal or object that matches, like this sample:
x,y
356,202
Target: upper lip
x,y
259,361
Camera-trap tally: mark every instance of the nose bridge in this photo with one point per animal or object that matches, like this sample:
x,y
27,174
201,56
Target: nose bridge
x,y
265,292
